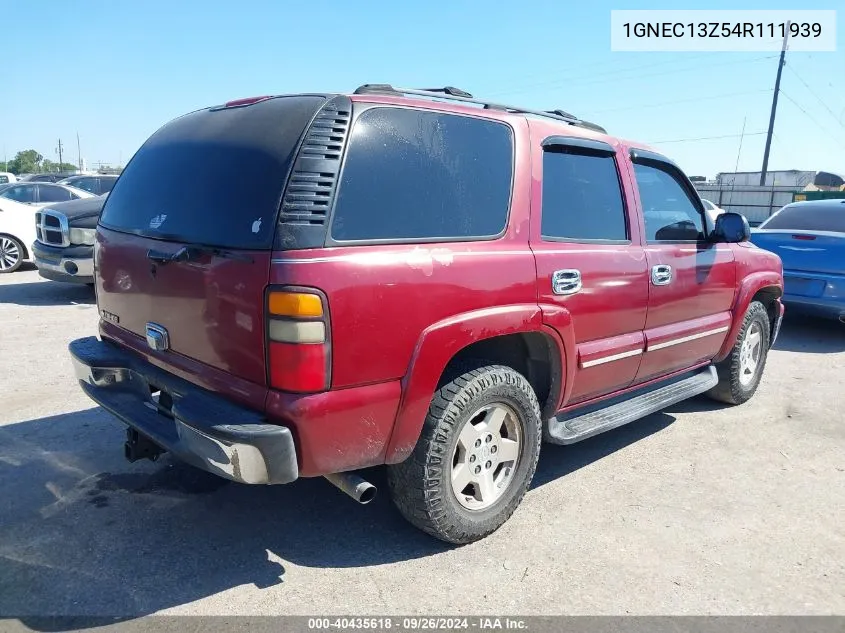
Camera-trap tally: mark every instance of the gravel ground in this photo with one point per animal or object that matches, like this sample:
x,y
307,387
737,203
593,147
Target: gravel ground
x,y
701,509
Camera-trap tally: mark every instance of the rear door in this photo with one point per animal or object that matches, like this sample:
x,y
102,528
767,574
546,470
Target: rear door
x,y
589,259
692,281
53,193
185,236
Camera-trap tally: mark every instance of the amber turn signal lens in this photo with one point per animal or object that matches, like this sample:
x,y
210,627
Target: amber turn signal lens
x,y
295,304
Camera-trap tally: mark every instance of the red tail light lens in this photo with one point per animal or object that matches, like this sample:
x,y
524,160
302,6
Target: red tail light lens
x,y
297,340
299,368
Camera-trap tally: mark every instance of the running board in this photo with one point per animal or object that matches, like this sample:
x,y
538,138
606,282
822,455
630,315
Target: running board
x,y
578,425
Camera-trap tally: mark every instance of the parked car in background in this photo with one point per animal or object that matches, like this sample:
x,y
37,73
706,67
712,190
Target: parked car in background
x,y
18,203
64,245
95,183
711,210
809,237
6,177
275,316
41,192
45,177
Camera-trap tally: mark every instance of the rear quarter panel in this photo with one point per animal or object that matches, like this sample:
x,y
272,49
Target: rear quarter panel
x,y
756,269
384,298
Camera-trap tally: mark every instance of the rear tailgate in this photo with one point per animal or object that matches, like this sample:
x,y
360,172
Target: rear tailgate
x,y
186,234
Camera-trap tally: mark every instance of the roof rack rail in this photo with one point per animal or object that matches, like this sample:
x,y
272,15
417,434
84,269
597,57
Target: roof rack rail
x,y
449,90
455,94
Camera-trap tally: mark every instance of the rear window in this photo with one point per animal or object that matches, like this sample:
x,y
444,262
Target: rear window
x,y
214,177
417,175
826,217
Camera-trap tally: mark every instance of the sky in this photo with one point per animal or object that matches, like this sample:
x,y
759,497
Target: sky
x,y
114,71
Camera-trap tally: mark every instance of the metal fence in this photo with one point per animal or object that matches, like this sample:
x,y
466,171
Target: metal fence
x,y
754,202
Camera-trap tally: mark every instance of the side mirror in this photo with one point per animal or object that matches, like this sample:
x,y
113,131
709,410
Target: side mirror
x,y
731,228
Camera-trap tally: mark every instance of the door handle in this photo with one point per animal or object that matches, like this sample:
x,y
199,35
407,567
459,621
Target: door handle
x,y
661,275
566,282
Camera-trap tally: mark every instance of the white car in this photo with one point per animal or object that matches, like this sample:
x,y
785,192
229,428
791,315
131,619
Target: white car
x,y
18,204
6,177
712,212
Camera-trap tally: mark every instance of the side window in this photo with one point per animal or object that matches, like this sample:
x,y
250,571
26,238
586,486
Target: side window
x,y
106,184
86,184
418,175
582,199
51,193
23,193
670,214
4,180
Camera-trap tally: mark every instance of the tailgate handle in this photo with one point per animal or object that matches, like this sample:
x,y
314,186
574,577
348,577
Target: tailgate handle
x,y
163,258
187,253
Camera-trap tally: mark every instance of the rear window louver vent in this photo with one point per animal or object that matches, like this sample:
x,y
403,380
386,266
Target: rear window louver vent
x,y
312,183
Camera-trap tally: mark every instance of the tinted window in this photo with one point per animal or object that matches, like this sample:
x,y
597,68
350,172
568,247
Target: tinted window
x,y
106,184
581,197
86,184
53,193
815,217
21,193
424,175
4,180
669,212
213,177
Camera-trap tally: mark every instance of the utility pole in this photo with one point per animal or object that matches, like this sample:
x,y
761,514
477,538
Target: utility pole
x,y
774,108
78,153
60,154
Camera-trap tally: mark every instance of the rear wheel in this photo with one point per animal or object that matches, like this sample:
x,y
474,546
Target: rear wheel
x,y
740,373
475,458
11,254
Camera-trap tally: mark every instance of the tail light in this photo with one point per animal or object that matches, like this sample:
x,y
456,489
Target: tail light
x,y
298,340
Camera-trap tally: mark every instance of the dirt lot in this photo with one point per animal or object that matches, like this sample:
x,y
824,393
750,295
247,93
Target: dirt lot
x,y
699,509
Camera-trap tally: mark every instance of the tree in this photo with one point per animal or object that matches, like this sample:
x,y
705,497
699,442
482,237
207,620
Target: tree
x,y
25,162
49,166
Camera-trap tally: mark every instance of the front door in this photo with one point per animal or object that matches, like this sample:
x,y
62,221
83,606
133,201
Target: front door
x,y
590,262
691,280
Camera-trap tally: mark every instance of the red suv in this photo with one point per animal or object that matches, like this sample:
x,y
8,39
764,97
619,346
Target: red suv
x,y
413,278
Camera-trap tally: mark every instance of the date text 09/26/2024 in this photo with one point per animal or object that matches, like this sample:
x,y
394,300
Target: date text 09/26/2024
x,y
416,623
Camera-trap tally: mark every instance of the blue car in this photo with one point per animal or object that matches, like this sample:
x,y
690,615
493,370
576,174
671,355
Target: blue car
x,y
809,237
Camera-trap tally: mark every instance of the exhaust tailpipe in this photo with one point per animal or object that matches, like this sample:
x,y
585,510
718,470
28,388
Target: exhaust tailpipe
x,y
359,489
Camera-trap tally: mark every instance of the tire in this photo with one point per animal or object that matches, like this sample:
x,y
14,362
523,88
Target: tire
x,y
737,382
464,415
12,254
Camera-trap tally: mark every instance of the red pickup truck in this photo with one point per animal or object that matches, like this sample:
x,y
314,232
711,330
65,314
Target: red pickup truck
x,y
416,279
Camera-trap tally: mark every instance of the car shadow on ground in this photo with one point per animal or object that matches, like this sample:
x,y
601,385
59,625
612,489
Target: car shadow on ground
x,y
810,335
84,532
46,293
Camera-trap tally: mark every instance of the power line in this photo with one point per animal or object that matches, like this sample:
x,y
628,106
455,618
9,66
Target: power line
x,y
817,97
696,99
559,82
706,138
809,116
565,78
613,63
